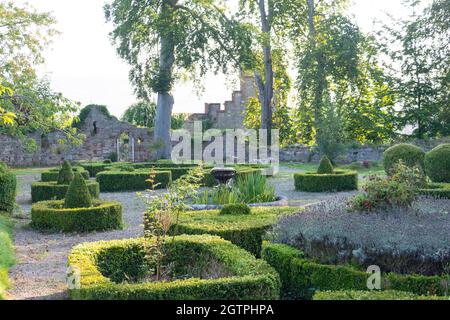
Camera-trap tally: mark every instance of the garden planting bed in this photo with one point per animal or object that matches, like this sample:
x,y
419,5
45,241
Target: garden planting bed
x,y
51,215
201,267
41,191
244,230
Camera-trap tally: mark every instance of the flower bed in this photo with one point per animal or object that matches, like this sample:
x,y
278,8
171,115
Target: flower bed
x,y
41,191
302,277
116,181
53,216
202,267
339,180
409,240
52,174
244,230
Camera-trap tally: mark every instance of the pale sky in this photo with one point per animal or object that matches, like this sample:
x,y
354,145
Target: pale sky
x,y
83,65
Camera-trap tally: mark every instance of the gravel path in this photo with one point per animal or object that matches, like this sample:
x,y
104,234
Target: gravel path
x,y
42,257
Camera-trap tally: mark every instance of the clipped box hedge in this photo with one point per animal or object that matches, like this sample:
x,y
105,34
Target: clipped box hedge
x,y
8,186
340,180
42,191
302,277
51,215
117,181
244,230
372,295
112,270
96,167
7,258
439,190
52,174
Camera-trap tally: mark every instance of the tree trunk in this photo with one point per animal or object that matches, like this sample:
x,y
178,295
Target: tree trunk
x,y
266,87
165,102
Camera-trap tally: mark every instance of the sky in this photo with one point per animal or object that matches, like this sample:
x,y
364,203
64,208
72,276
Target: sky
x,y
82,64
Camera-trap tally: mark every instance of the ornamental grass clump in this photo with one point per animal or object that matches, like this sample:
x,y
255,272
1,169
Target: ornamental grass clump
x,y
65,174
325,166
78,195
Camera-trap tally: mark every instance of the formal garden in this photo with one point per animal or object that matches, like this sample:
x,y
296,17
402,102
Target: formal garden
x,y
357,207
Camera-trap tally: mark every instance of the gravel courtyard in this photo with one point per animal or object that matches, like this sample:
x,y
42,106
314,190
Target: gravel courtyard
x,y
42,257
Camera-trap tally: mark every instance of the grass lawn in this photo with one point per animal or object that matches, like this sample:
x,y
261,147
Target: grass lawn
x,y
28,171
6,252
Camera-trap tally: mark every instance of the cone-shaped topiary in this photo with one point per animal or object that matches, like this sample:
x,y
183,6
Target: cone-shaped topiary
x,y
65,174
78,195
437,163
325,166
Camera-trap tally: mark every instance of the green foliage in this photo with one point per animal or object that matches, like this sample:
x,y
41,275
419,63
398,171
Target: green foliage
x,y
8,186
54,216
66,174
53,174
103,262
411,155
141,114
246,231
84,113
437,163
41,191
340,180
325,166
7,258
372,295
77,195
113,157
118,181
237,209
439,190
302,277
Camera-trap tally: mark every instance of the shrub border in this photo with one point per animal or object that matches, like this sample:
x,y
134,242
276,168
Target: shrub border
x,y
52,174
340,180
253,279
106,215
440,190
43,191
301,277
121,181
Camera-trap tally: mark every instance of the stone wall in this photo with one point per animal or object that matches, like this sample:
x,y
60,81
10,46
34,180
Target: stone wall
x,y
104,135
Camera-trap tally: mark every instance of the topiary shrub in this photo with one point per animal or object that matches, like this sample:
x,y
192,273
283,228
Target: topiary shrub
x,y
339,180
325,166
78,195
235,209
41,191
8,186
437,163
107,161
202,268
411,155
53,216
53,174
65,174
246,231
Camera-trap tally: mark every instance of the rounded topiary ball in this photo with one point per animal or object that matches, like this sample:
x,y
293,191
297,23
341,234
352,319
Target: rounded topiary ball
x,y
411,155
78,195
437,163
65,174
325,166
235,209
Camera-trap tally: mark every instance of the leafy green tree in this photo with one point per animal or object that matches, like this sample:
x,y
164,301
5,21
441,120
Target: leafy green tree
x,y
161,39
420,67
24,34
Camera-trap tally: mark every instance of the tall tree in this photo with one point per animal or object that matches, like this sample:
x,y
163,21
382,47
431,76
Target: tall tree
x,y
24,33
141,114
159,39
419,49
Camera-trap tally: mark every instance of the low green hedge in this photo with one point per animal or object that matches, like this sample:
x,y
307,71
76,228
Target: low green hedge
x,y
52,174
112,270
52,215
8,186
440,190
301,277
96,167
41,191
340,180
115,181
244,230
372,295
7,258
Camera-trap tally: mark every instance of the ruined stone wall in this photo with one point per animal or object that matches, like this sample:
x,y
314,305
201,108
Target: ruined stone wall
x,y
102,134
